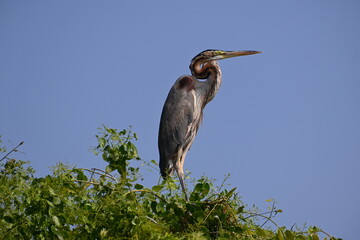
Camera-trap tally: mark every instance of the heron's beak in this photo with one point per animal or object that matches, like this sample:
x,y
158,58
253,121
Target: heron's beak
x,y
229,54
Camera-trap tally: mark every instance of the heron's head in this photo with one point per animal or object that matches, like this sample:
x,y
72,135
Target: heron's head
x,y
211,54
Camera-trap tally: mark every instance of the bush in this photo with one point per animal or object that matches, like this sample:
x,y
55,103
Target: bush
x,y
76,203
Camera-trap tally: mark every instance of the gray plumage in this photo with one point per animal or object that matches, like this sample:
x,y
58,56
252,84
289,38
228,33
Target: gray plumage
x,y
183,109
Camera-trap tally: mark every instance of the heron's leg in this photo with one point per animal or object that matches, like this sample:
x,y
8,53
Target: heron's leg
x,y
181,175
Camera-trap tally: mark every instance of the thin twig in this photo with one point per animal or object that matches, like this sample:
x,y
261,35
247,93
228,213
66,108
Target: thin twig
x,y
128,136
105,175
151,219
210,212
223,182
217,202
270,216
269,219
13,150
108,174
322,231
92,175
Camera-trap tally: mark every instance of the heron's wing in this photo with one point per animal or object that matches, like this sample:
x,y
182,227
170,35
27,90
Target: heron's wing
x,y
177,116
177,125
180,123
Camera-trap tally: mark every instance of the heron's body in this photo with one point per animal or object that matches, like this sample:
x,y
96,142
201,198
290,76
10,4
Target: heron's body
x,y
183,109
178,129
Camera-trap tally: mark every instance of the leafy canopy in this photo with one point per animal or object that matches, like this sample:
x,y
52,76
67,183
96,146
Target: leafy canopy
x,y
78,203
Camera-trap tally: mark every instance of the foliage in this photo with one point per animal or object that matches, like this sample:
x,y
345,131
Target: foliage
x,y
75,203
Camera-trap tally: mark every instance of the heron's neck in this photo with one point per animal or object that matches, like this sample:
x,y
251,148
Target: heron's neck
x,y
211,72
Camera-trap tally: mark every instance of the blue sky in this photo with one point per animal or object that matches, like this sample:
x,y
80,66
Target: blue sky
x,y
285,123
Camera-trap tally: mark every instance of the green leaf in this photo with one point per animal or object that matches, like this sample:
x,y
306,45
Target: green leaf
x,y
103,233
138,186
8,219
135,221
289,235
279,234
206,189
157,188
51,191
199,215
59,234
56,221
102,142
81,175
260,232
230,193
56,200
198,188
109,169
314,236
153,206
240,209
160,207
50,203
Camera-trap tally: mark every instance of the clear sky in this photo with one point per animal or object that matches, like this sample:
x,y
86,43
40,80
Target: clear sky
x,y
285,123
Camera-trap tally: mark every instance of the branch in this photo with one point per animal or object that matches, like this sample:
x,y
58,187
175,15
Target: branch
x,y
95,171
271,214
13,150
269,219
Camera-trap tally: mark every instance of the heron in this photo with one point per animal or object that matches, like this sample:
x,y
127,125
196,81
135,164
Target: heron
x,y
182,113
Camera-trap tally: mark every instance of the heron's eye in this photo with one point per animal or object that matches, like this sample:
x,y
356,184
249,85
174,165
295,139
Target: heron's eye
x,y
218,52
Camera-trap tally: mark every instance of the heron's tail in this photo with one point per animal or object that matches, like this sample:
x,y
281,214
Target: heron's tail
x,y
166,168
